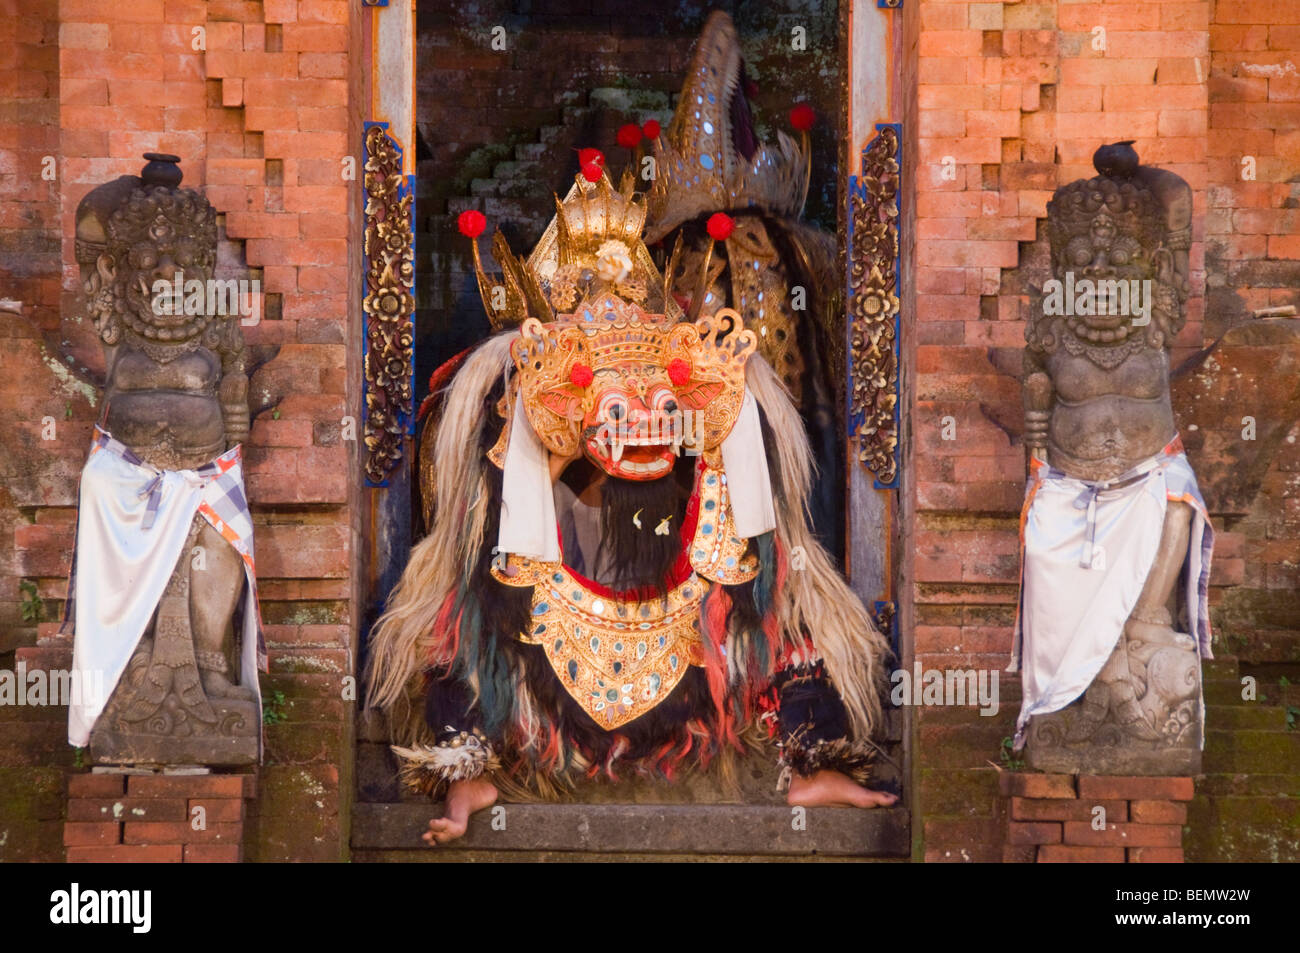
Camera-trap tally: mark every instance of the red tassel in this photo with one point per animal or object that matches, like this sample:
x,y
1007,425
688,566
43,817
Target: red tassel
x,y
717,605
802,117
446,635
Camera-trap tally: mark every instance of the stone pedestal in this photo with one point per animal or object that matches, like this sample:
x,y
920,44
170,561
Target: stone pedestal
x,y
146,817
1066,742
1106,819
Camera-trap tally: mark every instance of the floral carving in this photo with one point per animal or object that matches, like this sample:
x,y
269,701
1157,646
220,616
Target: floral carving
x,y
389,305
873,306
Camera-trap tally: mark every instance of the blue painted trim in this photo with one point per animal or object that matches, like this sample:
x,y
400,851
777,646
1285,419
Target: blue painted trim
x,y
858,189
407,189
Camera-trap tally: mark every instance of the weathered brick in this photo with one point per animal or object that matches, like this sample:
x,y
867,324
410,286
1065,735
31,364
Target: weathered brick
x,y
1068,854
1028,784
126,854
180,832
1155,855
1158,812
1123,835
1135,788
1065,809
88,834
217,810
213,853
125,809
186,786
96,785
1033,832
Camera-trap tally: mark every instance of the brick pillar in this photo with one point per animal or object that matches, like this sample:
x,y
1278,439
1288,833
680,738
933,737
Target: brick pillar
x,y
157,818
1067,818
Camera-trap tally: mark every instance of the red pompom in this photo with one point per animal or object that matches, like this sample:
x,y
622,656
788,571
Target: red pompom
x,y
471,223
720,226
629,136
802,117
651,129
588,157
591,172
679,371
581,375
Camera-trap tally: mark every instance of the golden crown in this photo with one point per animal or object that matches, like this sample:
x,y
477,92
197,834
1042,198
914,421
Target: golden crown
x,y
592,245
590,216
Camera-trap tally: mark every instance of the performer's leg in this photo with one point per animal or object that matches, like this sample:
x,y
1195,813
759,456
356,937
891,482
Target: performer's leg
x,y
463,799
215,589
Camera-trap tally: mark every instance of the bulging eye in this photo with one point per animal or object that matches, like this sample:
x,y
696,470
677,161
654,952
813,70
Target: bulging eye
x,y
663,399
613,407
1125,251
1079,252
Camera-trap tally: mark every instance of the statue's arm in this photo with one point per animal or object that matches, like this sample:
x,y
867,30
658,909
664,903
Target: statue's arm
x,y
1038,399
233,390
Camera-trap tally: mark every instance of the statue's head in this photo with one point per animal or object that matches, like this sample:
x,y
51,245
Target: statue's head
x,y
1125,230
133,234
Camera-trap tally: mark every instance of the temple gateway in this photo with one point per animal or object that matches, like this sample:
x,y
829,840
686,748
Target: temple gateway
x,y
835,429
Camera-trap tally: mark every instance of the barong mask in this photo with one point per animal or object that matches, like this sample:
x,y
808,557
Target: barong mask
x,y
599,371
630,389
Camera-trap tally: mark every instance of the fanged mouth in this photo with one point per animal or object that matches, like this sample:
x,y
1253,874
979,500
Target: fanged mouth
x,y
642,457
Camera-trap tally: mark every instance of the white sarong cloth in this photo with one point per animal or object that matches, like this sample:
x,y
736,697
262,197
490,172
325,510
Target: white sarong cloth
x,y
1086,551
132,523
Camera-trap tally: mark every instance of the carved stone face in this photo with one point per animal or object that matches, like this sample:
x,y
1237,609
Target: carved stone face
x,y
171,258
1107,242
1105,252
633,425
159,236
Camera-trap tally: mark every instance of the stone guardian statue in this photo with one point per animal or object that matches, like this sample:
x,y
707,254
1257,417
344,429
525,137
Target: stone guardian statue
x,y
1108,640
163,601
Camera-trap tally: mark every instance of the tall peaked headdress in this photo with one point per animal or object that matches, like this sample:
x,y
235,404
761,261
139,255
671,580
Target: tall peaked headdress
x,y
708,158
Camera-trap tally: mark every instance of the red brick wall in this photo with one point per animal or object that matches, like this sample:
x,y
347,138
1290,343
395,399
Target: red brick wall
x,y
30,780
1016,96
262,119
1253,249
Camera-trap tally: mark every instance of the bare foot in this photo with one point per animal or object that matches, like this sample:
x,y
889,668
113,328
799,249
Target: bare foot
x,y
1157,634
463,799
216,685
833,789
